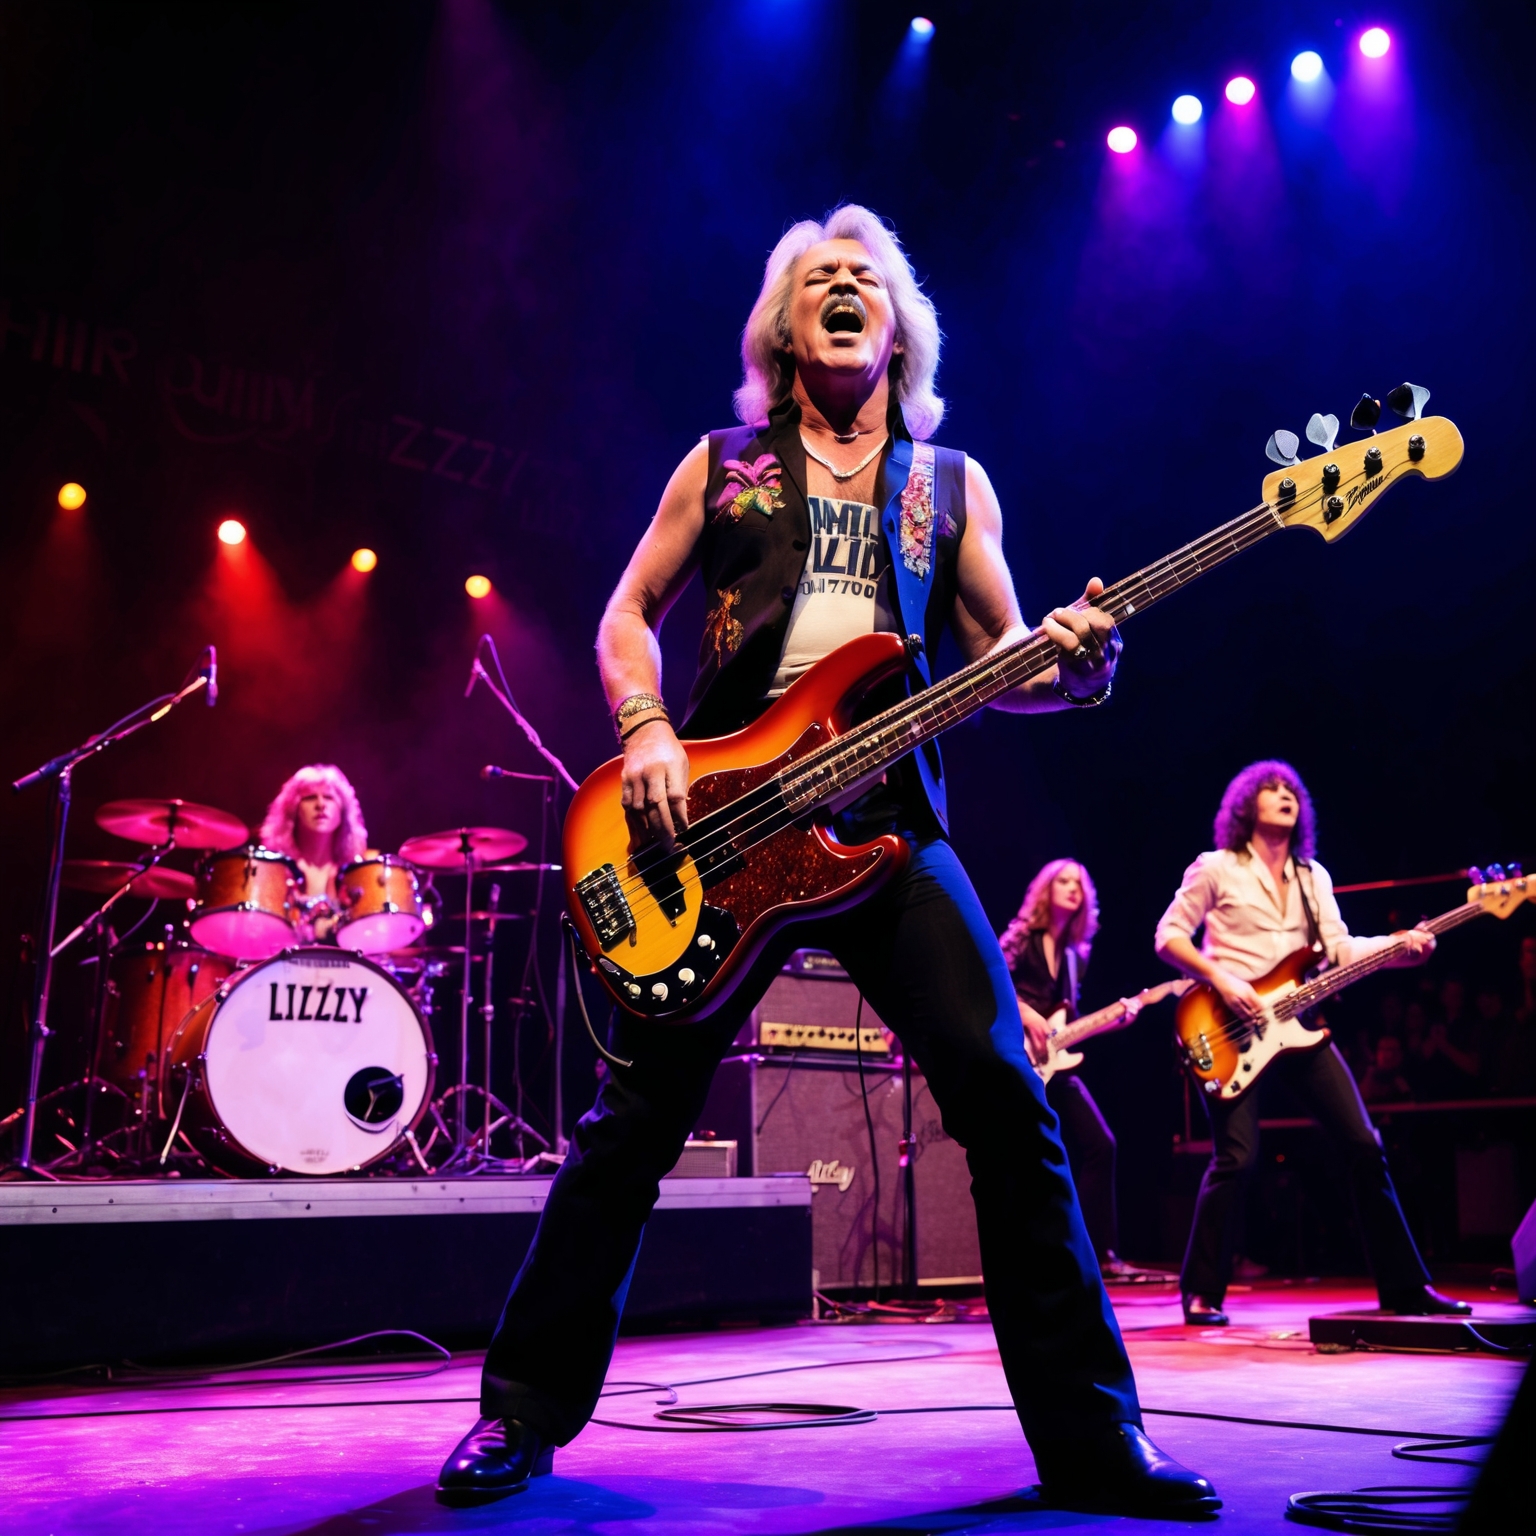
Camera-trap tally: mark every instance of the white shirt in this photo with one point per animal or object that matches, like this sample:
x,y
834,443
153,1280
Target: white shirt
x,y
835,602
1250,926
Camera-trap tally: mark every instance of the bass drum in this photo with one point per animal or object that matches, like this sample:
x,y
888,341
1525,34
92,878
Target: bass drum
x,y
315,1062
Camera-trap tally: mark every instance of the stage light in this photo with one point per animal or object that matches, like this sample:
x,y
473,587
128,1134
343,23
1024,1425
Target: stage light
x,y
1187,110
922,27
364,560
232,531
1122,140
478,587
1375,42
1241,90
71,496
1307,67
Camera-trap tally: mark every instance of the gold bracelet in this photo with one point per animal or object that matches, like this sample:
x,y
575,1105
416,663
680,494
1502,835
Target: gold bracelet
x,y
637,704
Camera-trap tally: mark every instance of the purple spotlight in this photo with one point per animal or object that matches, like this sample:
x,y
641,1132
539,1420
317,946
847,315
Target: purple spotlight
x,y
1241,90
1122,140
1375,42
922,28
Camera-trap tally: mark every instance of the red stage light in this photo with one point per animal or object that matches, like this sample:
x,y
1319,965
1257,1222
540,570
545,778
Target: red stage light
x,y
232,531
1241,90
364,560
478,586
1375,42
71,496
1122,140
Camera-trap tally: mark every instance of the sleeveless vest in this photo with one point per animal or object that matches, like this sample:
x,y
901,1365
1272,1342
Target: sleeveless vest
x,y
757,534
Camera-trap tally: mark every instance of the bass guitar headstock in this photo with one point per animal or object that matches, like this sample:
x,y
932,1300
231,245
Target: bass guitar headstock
x,y
1499,890
1334,489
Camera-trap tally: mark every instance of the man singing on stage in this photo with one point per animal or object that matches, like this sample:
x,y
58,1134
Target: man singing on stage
x,y
829,515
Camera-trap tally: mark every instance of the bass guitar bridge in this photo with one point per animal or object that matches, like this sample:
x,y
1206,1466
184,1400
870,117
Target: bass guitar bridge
x,y
607,908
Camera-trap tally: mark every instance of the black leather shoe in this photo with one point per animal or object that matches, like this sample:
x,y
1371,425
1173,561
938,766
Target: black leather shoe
x,y
1424,1301
1200,1313
1118,1471
495,1458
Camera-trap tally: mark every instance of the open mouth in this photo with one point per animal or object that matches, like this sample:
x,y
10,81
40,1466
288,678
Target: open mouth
x,y
843,312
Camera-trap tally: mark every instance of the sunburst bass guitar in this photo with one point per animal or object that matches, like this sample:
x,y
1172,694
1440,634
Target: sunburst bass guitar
x,y
1227,1054
671,933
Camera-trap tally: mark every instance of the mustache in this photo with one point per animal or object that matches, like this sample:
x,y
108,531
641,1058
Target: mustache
x,y
844,312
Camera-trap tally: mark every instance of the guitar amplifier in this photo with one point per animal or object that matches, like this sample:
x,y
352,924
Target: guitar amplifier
x,y
812,1006
807,1116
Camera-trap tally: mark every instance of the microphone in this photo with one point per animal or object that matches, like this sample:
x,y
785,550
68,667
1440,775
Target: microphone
x,y
210,674
491,771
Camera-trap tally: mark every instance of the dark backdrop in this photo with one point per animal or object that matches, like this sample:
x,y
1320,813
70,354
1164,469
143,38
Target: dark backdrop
x,y
462,282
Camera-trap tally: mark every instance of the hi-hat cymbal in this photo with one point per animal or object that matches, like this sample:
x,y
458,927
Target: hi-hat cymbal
x,y
153,821
446,850
105,875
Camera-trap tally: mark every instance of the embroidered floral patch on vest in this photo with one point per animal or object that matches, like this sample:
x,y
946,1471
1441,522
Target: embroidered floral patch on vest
x,y
721,630
917,513
753,487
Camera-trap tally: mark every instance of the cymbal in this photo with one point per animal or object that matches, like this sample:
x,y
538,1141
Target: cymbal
x,y
445,850
424,952
450,917
105,875
150,821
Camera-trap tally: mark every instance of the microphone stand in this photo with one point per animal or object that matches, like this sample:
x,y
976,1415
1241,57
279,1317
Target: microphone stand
x,y
503,696
60,770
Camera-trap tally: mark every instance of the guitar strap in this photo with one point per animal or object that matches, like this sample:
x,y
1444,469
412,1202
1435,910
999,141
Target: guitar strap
x,y
1314,930
1069,955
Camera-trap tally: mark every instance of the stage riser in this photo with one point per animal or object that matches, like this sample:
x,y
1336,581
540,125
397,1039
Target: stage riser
x,y
114,1290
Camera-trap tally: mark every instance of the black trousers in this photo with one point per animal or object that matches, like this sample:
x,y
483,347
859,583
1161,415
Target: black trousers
x,y
1323,1083
1090,1148
924,955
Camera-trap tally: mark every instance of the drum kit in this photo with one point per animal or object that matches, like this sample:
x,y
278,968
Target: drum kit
x,y
238,1042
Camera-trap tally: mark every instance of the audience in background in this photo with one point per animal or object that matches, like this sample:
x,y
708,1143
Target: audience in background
x,y
1452,1041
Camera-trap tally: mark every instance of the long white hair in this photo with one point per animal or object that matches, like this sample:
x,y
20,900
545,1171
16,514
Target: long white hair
x,y
768,368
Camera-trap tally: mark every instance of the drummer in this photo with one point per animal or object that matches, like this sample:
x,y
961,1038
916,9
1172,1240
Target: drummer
x,y
316,820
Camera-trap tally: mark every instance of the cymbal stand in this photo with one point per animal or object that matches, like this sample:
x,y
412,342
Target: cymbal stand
x,y
60,771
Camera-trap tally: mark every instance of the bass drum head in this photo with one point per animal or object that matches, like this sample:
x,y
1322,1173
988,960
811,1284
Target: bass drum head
x,y
316,1062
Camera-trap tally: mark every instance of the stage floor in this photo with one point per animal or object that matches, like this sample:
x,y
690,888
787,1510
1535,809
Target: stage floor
x,y
358,1458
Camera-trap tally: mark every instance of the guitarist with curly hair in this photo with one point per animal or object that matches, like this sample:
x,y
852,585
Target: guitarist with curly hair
x,y
1261,895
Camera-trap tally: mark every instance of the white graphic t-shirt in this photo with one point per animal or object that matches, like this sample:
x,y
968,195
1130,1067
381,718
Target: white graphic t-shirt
x,y
839,588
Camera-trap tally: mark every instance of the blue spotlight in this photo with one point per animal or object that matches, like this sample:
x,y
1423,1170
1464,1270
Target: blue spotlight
x,y
1187,110
922,28
1307,67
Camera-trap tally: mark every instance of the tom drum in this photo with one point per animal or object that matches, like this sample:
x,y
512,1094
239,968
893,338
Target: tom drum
x,y
381,905
246,902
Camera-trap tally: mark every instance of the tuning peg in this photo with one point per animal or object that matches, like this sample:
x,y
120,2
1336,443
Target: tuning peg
x,y
1366,414
1495,872
1409,400
1323,430
1282,446
1515,872
1475,875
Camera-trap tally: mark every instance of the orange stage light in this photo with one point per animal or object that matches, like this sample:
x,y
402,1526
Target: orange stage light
x,y
232,531
364,560
478,586
71,496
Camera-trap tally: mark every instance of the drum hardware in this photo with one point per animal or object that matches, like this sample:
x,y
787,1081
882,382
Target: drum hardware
x,y
59,771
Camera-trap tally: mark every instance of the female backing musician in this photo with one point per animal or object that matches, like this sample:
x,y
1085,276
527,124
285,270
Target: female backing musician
x,y
1047,946
316,820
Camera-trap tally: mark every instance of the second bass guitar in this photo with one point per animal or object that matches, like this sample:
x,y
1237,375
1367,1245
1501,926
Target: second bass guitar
x,y
1227,1054
1065,1038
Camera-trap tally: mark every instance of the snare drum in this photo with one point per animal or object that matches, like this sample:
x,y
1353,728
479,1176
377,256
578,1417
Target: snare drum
x,y
152,990
315,1062
247,901
381,905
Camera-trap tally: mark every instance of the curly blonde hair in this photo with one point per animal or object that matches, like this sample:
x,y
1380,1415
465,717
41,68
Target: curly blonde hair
x,y
769,371
1034,914
277,826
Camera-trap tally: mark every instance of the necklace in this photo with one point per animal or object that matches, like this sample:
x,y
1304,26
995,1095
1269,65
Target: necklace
x,y
843,474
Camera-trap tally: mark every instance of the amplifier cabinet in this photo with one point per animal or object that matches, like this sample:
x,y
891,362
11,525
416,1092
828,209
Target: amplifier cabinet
x,y
791,1116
